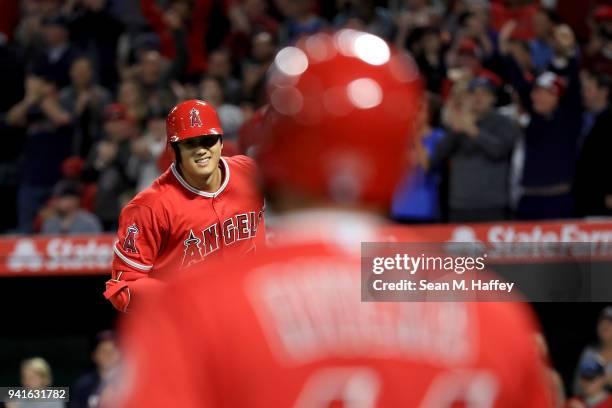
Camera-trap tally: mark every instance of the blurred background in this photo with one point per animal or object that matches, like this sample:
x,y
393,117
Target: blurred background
x,y
514,143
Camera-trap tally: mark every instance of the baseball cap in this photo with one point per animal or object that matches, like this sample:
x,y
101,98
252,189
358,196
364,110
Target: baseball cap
x,y
552,82
67,188
116,111
590,368
485,79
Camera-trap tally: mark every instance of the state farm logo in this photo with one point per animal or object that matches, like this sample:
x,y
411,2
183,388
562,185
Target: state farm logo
x,y
567,233
59,254
25,256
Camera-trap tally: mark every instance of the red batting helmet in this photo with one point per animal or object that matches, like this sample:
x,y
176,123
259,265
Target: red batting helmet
x,y
342,109
193,118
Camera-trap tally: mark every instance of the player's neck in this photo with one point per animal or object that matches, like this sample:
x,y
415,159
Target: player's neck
x,y
208,184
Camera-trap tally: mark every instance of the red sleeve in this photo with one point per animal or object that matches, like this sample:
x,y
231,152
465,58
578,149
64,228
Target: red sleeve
x,y
163,358
155,17
531,383
198,56
138,241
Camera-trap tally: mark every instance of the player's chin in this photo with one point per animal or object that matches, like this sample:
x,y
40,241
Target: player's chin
x,y
203,169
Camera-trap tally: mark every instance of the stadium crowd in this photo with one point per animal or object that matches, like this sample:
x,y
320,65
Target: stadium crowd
x,y
515,124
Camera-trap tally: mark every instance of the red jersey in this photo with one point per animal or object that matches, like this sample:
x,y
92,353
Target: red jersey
x,y
171,226
288,329
604,401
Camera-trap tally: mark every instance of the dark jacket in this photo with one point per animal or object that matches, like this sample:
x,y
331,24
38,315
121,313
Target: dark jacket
x,y
593,181
550,141
479,167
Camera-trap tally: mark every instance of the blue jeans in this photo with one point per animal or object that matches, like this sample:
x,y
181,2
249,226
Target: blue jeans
x,y
30,199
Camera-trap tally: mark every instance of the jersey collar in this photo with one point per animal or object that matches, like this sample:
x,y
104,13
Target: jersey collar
x,y
199,192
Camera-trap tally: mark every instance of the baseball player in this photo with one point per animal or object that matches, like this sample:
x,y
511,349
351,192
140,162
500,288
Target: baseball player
x,y
204,206
287,328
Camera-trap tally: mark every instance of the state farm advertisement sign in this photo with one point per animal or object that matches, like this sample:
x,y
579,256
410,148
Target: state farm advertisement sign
x,y
56,256
92,255
519,242
510,232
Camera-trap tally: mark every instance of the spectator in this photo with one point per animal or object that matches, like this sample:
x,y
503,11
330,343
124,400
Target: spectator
x,y
88,388
300,19
28,34
473,37
35,374
417,199
602,351
68,217
414,15
221,68
84,101
429,55
263,49
553,102
544,23
48,143
146,151
592,193
181,15
592,379
131,95
107,165
95,31
248,19
464,63
598,51
479,145
154,75
54,60
231,116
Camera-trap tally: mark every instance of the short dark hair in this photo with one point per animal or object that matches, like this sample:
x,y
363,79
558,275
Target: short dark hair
x,y
177,153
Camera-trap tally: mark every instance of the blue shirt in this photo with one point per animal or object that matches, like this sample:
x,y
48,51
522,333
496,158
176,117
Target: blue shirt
x,y
417,195
541,54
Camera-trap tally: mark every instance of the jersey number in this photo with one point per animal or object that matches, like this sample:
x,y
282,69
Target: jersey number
x,y
360,387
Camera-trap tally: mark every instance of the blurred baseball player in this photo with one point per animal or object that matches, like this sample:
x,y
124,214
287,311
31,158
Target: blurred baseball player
x,y
286,327
203,206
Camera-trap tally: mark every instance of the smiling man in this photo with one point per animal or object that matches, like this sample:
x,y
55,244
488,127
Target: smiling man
x,y
204,206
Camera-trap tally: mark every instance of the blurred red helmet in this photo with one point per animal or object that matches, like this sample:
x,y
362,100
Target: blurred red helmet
x,y
193,118
341,113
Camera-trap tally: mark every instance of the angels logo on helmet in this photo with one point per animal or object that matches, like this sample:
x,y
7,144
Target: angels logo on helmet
x,y
194,118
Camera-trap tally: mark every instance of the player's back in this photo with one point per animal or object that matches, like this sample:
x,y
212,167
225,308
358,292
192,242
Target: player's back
x,y
289,329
